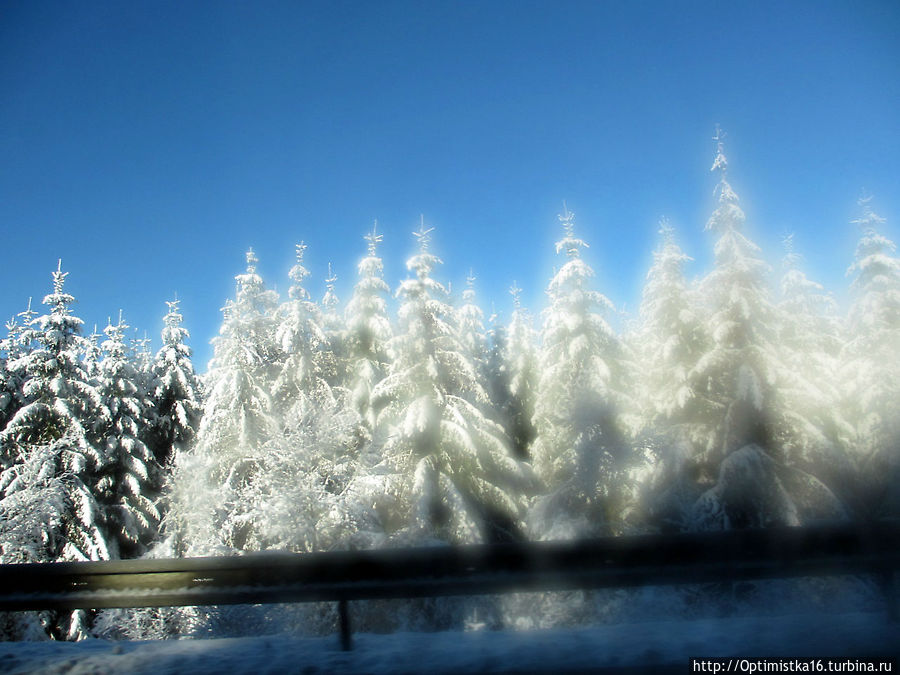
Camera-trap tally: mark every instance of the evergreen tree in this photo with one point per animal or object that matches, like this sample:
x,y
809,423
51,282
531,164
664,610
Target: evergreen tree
x,y
56,449
737,416
368,331
93,354
9,382
18,344
176,396
670,341
810,425
335,365
141,355
871,370
446,471
520,358
581,451
238,419
58,397
125,486
470,322
308,364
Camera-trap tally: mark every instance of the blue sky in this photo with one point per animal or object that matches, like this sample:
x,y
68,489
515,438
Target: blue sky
x,y
149,144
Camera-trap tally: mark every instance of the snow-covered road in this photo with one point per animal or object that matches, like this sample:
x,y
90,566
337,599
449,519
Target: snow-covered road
x,y
652,647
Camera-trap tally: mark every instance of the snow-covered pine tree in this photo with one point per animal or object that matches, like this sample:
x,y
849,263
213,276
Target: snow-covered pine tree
x,y
520,362
470,326
871,367
810,423
581,452
740,456
141,355
334,357
9,381
264,489
302,385
670,340
57,452
93,354
18,343
368,331
238,419
125,486
35,507
176,397
447,472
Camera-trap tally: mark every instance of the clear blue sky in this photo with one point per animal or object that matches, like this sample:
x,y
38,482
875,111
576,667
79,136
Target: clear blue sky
x,y
149,144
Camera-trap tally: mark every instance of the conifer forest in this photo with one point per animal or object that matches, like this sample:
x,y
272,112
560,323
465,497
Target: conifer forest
x,y
407,415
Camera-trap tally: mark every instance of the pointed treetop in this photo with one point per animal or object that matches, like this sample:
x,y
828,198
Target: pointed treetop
x,y
28,315
423,236
252,260
515,292
59,278
469,293
569,243
567,218
666,231
869,220
115,332
373,238
297,274
173,317
720,163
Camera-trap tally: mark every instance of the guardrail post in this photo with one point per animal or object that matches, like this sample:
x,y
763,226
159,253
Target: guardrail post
x,y
344,615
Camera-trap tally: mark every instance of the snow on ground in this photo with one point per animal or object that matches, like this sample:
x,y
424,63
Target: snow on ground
x,y
652,646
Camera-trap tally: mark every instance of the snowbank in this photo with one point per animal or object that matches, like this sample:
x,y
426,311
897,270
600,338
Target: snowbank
x,y
652,646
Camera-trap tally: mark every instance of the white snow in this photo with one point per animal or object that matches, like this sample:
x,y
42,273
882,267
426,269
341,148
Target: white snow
x,y
645,646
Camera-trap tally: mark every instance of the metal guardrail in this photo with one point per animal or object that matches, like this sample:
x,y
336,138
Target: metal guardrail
x,y
344,576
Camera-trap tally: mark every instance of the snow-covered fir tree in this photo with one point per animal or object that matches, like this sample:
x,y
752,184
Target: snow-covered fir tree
x,y
871,372
470,324
58,399
18,343
447,471
368,331
176,396
57,449
125,485
670,341
520,358
811,427
334,356
9,382
582,452
36,513
141,354
740,456
308,366
238,419
93,354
